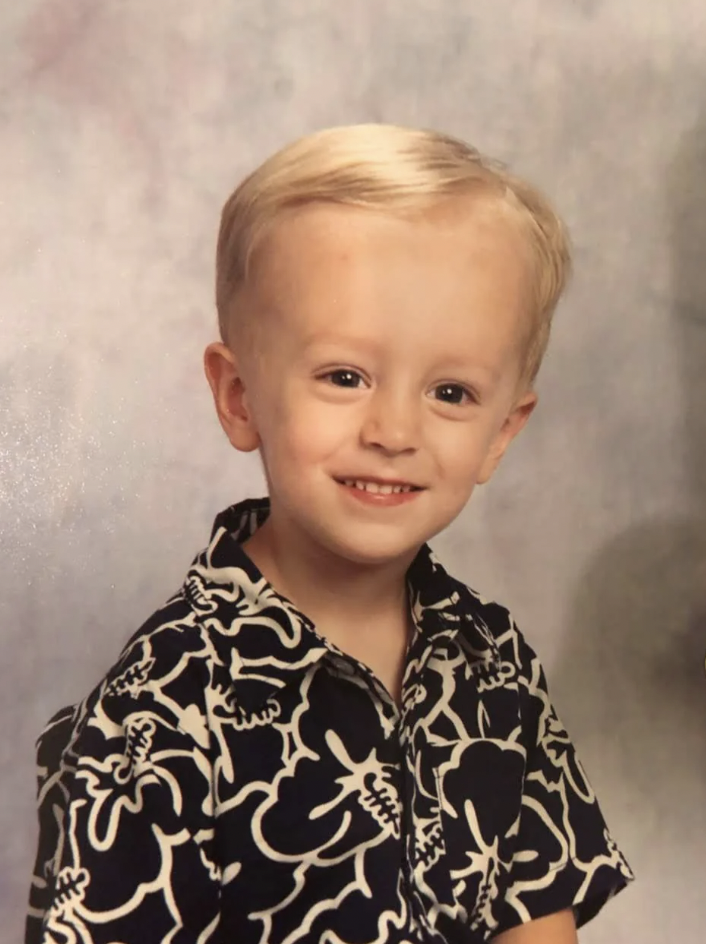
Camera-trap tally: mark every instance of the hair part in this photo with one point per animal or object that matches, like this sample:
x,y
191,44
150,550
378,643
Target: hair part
x,y
395,169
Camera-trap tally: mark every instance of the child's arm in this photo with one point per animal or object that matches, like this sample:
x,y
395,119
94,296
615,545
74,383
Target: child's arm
x,y
558,928
564,856
126,850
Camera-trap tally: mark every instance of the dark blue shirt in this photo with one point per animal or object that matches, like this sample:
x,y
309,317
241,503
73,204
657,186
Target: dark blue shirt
x,y
237,778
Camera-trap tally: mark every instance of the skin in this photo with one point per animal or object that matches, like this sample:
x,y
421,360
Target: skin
x,y
386,346
559,928
429,316
391,347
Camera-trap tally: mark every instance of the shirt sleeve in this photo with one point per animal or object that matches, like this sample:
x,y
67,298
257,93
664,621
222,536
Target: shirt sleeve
x,y
564,856
126,845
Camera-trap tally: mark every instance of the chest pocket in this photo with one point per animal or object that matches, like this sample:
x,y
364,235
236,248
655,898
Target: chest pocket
x,y
467,764
312,838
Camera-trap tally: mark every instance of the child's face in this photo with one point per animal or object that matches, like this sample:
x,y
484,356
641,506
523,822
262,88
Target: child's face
x,y
391,348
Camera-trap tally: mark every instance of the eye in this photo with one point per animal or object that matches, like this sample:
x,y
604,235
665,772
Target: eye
x,y
348,377
456,393
453,393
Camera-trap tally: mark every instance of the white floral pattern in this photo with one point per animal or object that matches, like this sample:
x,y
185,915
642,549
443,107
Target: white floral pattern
x,y
237,778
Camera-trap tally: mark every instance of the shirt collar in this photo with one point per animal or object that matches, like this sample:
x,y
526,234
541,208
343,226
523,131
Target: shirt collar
x,y
276,641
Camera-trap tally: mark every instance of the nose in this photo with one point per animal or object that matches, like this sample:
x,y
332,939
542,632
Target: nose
x,y
392,420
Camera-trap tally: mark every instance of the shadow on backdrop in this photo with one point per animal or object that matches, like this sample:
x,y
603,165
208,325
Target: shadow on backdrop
x,y
630,681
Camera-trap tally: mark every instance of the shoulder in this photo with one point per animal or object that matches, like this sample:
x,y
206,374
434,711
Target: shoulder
x,y
171,648
488,626
162,671
144,722
128,768
512,674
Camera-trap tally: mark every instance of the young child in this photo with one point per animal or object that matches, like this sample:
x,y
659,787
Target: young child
x,y
323,736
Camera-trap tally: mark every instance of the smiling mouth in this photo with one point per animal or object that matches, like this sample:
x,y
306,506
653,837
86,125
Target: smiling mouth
x,y
381,488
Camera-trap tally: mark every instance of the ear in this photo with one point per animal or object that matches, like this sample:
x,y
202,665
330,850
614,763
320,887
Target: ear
x,y
230,397
514,422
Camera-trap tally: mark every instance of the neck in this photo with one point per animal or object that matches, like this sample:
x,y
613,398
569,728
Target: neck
x,y
326,588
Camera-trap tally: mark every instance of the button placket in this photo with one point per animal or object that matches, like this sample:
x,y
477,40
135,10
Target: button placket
x,y
431,885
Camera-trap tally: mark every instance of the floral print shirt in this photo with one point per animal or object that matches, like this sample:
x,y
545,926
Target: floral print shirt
x,y
237,778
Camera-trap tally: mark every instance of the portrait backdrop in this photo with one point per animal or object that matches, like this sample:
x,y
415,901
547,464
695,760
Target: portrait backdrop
x,y
124,126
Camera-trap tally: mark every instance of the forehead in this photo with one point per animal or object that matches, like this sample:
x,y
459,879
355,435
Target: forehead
x,y
328,266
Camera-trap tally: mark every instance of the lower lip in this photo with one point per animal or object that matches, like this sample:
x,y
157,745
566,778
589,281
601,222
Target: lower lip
x,y
378,499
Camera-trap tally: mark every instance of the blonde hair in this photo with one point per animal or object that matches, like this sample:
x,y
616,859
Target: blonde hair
x,y
396,169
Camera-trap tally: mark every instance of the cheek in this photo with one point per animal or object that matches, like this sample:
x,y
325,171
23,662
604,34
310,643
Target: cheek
x,y
309,433
461,451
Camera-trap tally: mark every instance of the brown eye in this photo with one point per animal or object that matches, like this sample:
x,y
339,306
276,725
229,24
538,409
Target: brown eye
x,y
454,393
343,377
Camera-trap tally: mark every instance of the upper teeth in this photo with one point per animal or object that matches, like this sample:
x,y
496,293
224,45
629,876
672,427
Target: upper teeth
x,y
375,487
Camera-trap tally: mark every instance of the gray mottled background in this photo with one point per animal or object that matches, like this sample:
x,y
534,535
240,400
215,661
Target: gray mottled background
x,y
123,127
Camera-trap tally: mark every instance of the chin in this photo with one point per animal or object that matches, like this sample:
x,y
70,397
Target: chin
x,y
368,551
